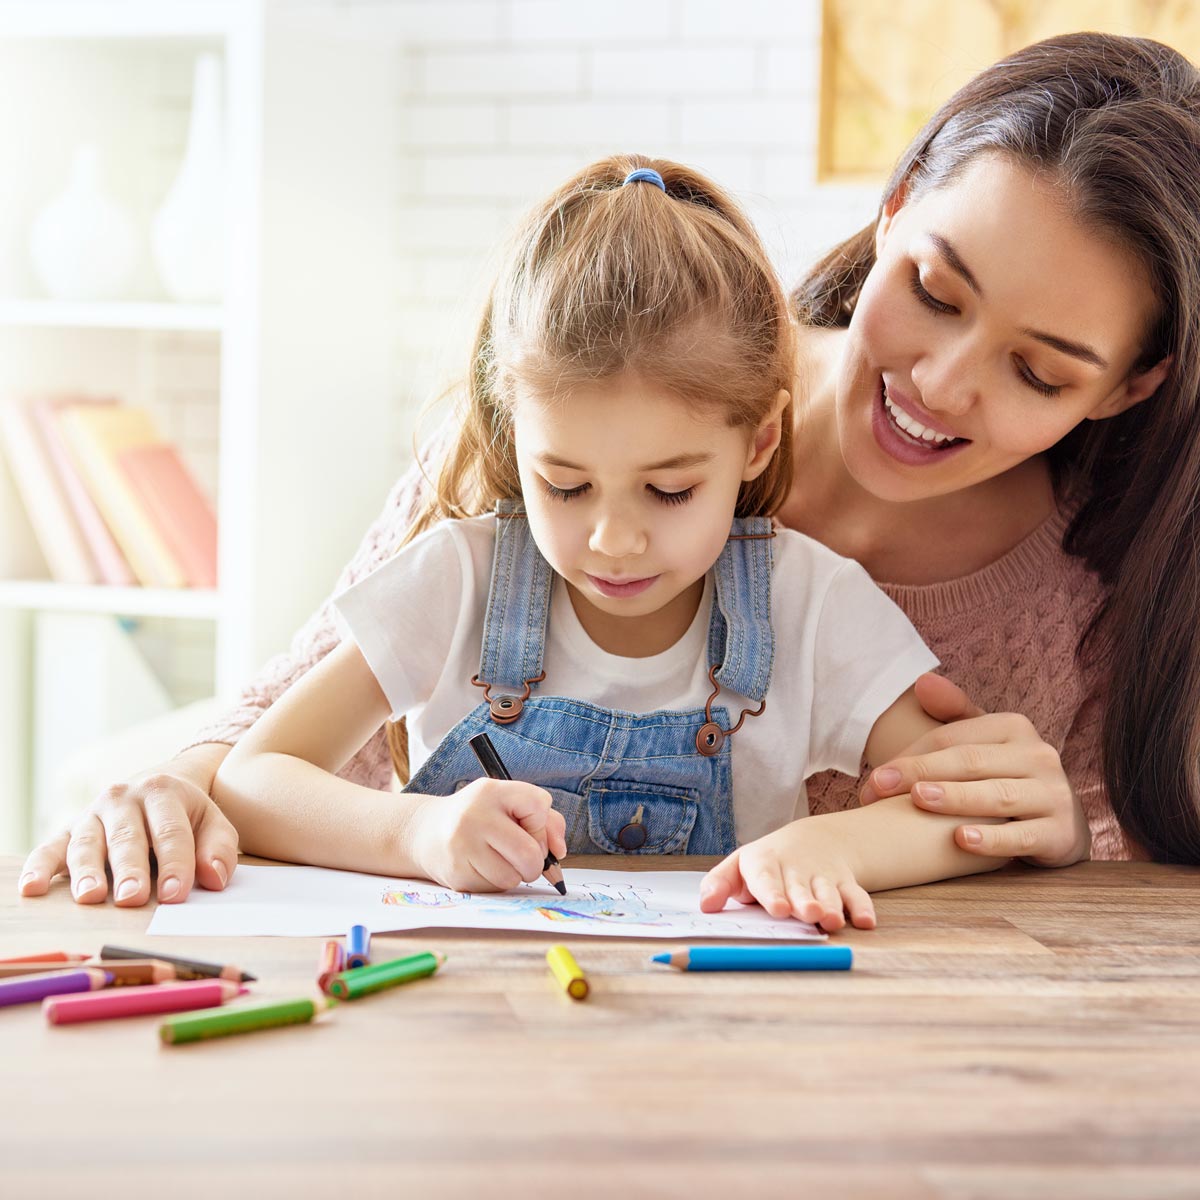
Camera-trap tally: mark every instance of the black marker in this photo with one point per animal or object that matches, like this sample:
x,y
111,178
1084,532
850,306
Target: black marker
x,y
494,768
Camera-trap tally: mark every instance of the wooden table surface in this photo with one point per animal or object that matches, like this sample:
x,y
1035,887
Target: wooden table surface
x,y
1027,1033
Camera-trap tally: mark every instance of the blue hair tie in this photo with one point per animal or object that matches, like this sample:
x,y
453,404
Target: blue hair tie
x,y
645,175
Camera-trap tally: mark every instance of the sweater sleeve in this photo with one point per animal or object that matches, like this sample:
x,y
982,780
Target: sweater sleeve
x,y
319,635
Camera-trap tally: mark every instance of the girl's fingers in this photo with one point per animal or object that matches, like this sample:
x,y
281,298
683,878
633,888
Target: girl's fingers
x,y
128,854
1006,798
494,868
85,860
44,862
522,852
831,918
556,833
764,881
858,904
944,700
723,883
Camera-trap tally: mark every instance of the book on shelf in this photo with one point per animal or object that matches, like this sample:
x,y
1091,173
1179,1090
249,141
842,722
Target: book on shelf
x,y
111,564
177,507
59,537
96,435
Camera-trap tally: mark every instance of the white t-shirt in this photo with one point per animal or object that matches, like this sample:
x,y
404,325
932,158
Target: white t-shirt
x,y
843,654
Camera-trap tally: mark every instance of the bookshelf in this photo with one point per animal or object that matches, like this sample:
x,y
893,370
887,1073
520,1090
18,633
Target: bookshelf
x,y
281,397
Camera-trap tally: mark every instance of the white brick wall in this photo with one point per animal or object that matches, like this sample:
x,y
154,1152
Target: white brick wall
x,y
502,99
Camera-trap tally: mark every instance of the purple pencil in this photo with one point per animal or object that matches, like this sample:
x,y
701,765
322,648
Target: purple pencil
x,y
35,987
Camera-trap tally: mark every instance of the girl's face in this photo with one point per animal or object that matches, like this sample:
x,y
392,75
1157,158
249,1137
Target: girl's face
x,y
991,324
630,492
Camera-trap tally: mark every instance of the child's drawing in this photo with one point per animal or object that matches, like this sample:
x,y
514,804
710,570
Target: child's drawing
x,y
592,902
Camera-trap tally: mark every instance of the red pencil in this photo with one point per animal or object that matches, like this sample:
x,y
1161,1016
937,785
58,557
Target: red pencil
x,y
49,956
135,1001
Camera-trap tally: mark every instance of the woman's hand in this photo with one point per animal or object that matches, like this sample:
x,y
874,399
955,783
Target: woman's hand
x,y
168,811
488,837
804,870
988,765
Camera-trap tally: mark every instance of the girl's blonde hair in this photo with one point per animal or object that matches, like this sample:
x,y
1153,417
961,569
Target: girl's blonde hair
x,y
604,279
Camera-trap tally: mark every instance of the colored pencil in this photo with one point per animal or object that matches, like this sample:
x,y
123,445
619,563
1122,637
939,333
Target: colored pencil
x,y
38,987
493,766
350,985
137,1001
196,1027
333,962
8,970
759,958
358,948
185,968
566,970
50,956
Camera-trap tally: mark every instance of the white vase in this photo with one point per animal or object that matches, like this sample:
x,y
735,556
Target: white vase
x,y
188,233
83,244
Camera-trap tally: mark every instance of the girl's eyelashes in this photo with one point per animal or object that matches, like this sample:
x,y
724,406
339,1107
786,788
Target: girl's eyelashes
x,y
1027,376
564,494
672,497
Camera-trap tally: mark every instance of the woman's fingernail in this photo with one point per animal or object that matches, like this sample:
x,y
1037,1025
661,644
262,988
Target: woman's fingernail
x,y
219,867
128,888
28,877
168,889
972,836
85,885
886,778
929,792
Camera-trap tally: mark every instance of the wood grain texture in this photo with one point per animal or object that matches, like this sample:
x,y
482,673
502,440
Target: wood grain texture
x,y
1026,1033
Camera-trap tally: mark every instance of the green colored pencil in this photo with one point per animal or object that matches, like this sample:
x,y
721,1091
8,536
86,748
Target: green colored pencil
x,y
362,981
195,1027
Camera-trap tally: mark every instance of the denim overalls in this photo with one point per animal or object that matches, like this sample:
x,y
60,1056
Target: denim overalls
x,y
654,783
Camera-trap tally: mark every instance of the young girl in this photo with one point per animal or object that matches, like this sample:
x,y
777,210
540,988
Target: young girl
x,y
648,654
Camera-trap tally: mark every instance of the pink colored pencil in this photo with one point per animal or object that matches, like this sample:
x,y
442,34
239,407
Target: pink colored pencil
x,y
57,956
134,1001
333,962
27,988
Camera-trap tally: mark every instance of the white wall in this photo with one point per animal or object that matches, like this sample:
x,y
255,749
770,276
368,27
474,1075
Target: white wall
x,y
502,99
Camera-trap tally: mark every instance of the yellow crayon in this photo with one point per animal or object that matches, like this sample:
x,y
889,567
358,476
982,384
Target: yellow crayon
x,y
566,971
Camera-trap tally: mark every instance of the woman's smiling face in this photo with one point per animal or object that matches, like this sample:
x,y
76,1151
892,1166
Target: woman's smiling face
x,y
991,324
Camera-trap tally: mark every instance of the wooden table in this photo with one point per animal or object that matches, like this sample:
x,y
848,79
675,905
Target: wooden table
x,y
1028,1033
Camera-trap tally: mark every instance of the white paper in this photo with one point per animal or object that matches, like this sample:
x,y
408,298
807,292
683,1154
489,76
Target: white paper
x,y
289,901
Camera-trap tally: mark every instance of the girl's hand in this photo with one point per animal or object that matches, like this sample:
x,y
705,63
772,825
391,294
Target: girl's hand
x,y
988,765
489,836
166,811
802,871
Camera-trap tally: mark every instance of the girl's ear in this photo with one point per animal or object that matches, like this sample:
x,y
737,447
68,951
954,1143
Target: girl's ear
x,y
766,438
1133,391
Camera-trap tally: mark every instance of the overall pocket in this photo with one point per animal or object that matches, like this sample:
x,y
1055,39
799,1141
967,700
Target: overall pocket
x,y
641,818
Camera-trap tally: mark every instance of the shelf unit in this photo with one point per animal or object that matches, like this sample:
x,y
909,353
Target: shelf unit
x,y
289,380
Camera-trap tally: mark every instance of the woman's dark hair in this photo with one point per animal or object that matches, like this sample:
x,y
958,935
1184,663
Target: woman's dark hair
x,y
1116,122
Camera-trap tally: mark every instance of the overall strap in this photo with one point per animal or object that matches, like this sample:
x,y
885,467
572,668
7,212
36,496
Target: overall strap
x,y
741,640
518,607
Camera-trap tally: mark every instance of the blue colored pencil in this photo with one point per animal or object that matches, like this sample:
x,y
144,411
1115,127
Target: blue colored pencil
x,y
358,947
759,958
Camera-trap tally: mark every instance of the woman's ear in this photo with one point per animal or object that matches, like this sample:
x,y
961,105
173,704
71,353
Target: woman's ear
x,y
891,206
766,437
1133,391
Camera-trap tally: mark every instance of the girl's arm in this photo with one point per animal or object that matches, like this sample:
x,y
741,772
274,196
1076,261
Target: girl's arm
x,y
818,868
280,789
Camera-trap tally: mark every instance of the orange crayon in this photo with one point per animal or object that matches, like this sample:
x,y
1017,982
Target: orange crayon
x,y
333,962
51,956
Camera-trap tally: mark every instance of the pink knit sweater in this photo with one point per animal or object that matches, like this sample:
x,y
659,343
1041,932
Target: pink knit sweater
x,y
1006,634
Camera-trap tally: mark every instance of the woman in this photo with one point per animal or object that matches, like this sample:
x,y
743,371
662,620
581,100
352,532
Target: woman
x,y
999,419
